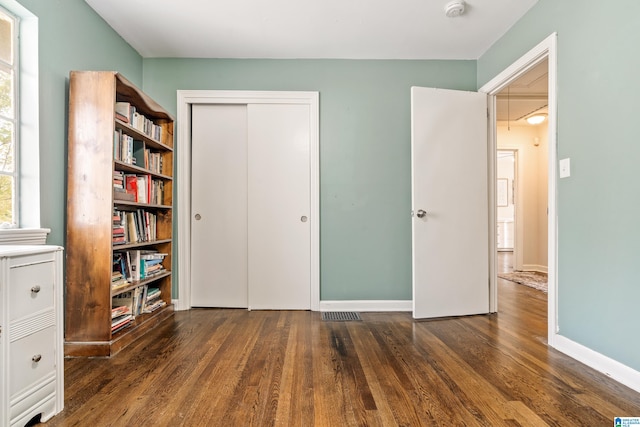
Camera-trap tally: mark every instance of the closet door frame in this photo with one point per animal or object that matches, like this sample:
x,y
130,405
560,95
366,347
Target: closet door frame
x,y
187,98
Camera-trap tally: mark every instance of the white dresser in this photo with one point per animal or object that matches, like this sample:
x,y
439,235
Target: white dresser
x,y
31,334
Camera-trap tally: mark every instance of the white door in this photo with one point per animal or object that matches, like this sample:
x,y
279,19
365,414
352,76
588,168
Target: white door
x,y
251,235
279,207
219,206
450,224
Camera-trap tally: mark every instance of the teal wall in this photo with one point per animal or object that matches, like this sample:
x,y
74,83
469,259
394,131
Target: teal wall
x,y
71,37
599,205
365,198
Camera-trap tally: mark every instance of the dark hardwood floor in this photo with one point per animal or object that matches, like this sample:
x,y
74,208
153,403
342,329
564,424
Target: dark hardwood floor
x,y
210,367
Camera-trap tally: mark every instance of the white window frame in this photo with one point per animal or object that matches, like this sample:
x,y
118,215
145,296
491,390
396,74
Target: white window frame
x,y
14,69
27,132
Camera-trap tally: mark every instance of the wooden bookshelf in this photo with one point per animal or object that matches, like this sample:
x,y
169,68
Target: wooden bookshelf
x,y
95,164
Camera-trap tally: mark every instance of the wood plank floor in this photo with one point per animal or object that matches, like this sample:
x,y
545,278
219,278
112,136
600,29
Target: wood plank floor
x,y
209,367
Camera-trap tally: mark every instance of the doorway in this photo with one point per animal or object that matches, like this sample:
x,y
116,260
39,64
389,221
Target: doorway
x,y
522,169
543,52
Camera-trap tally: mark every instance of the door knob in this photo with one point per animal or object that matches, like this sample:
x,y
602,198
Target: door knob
x,y
421,213
197,217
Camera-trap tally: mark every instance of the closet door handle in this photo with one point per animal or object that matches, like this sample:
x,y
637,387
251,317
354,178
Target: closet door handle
x,y
35,289
36,358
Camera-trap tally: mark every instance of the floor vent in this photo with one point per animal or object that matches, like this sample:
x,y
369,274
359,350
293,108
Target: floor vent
x,y
340,315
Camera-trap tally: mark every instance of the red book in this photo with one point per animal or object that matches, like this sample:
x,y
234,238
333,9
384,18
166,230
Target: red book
x,y
122,117
132,185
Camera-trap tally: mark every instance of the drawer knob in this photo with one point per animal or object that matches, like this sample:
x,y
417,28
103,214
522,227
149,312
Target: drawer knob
x,y
36,358
35,289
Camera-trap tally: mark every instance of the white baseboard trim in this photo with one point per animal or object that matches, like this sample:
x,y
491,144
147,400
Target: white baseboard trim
x,y
534,267
611,368
366,305
177,306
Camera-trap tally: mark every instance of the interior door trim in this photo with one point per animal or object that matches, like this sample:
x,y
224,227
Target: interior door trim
x,y
545,49
187,98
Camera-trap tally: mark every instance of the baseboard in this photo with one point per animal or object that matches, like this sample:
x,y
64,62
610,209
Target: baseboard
x,y
534,267
351,305
611,368
177,306
366,305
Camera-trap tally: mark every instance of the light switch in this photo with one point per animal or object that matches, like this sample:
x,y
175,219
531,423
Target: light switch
x,y
565,168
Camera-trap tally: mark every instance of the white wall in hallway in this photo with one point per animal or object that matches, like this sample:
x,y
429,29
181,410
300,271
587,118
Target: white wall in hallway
x,y
531,190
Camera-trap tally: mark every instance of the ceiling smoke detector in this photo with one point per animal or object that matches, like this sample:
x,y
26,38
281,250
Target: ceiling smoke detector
x,y
454,8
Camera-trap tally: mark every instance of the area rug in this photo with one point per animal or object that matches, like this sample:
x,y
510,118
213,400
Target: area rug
x,y
533,279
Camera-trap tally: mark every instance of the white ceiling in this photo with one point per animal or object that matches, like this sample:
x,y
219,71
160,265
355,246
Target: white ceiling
x,y
354,29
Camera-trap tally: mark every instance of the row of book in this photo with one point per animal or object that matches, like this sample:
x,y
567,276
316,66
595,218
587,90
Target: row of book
x,y
138,188
135,226
134,152
150,160
128,113
121,318
132,266
119,189
127,305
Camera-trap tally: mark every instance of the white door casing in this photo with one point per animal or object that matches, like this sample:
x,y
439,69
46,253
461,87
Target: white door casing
x,y
546,49
450,203
186,100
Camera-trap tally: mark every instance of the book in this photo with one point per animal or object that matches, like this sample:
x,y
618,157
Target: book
x,y
121,310
124,299
122,118
131,185
149,308
153,301
139,154
121,323
123,109
153,255
132,232
142,185
135,265
123,195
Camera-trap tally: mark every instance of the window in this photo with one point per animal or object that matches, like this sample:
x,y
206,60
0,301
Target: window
x,y
8,119
19,127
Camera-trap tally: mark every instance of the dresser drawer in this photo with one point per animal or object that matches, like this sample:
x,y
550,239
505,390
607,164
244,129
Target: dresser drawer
x,y
25,406
31,289
31,359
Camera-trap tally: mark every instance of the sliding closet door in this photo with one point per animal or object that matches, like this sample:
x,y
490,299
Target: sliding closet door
x,y
250,225
279,206
219,206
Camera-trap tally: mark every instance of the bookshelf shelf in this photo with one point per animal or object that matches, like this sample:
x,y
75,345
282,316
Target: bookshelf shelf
x,y
138,283
139,245
124,167
118,161
120,125
140,205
